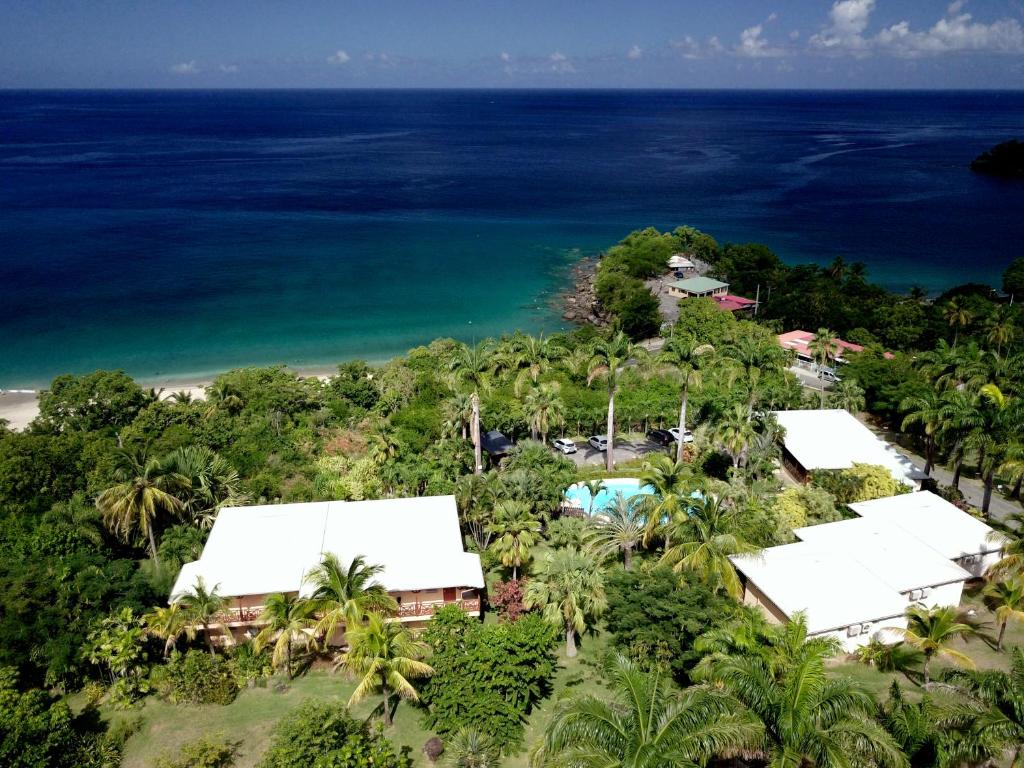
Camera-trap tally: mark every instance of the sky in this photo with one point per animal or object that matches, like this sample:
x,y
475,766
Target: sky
x,y
512,44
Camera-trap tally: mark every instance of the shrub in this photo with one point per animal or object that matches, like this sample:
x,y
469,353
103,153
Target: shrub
x,y
206,752
861,482
805,505
507,598
248,664
199,678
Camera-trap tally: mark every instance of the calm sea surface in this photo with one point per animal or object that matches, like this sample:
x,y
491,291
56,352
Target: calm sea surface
x,y
175,234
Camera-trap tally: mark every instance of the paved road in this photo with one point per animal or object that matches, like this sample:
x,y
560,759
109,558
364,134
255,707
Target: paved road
x,y
625,450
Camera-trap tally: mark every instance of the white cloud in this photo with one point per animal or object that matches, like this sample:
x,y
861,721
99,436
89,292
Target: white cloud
x,y
186,68
847,21
634,53
714,44
753,45
772,16
688,47
229,69
339,57
955,7
505,56
560,63
794,35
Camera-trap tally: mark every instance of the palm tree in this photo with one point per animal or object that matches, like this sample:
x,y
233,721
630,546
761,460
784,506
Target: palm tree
x,y
532,357
182,397
516,531
458,410
1010,540
609,358
289,621
475,496
385,656
672,483
143,495
209,482
473,366
619,528
1006,600
684,355
925,409
470,748
222,396
594,487
957,315
807,717
824,349
646,724
848,395
168,624
544,409
932,631
203,606
1000,328
734,433
343,596
568,587
703,539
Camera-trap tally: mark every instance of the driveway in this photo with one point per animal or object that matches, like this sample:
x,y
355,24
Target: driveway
x,y
625,450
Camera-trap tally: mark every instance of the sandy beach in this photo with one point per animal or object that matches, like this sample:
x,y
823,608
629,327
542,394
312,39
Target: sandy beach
x,y
20,406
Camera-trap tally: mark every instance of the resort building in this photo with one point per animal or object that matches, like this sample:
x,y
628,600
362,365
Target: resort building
x,y
697,287
838,595
256,551
800,343
835,439
898,558
678,262
956,535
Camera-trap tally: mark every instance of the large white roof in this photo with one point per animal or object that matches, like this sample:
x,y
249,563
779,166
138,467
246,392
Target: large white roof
x,y
264,549
835,439
891,553
935,521
833,590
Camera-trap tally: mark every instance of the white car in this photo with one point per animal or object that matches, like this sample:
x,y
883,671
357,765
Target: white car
x,y
687,435
564,445
829,374
599,442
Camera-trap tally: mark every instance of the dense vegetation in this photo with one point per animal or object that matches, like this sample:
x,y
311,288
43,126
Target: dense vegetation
x,y
114,487
1005,159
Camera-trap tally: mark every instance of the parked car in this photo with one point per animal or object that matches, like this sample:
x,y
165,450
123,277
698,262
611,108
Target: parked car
x,y
829,374
687,435
564,445
599,442
661,437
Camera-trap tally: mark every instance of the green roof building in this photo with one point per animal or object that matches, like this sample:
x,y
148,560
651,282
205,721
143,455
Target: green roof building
x,y
693,287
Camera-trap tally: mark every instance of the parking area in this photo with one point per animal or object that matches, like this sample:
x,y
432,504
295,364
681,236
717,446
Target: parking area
x,y
625,450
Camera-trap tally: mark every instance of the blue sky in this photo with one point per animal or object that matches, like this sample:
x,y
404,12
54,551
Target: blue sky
x,y
521,43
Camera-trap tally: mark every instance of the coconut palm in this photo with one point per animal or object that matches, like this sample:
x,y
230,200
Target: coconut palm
x,y
683,355
182,397
808,719
544,409
932,631
1009,539
646,724
609,358
222,396
703,539
1006,600
957,316
168,624
619,528
209,482
734,432
516,531
288,621
473,366
1000,329
594,487
824,349
848,395
203,606
925,410
532,357
458,412
470,748
342,596
143,495
672,483
385,657
475,496
568,587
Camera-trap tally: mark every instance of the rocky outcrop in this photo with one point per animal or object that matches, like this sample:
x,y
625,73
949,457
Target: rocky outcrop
x,y
579,303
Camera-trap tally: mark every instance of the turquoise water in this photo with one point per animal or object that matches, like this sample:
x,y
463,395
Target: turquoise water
x,y
629,487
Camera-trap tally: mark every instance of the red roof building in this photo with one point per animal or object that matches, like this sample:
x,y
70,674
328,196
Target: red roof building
x,y
731,303
799,342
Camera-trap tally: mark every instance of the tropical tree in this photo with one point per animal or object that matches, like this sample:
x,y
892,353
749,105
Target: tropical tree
x,y
385,657
683,355
610,356
926,410
702,540
594,487
343,596
957,316
734,432
473,366
1000,329
207,482
222,396
475,496
168,624
471,748
807,718
619,528
1006,600
516,531
458,412
289,621
933,631
672,483
544,409
203,606
848,395
824,350
531,356
568,587
646,724
144,494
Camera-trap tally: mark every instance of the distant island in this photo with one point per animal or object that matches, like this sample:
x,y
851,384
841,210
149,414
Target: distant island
x,y
1006,160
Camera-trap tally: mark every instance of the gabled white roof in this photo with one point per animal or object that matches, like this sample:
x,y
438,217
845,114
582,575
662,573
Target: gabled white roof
x,y
833,590
935,521
835,439
891,553
270,548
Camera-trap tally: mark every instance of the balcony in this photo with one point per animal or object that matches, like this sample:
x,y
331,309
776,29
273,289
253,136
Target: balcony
x,y
416,610
239,615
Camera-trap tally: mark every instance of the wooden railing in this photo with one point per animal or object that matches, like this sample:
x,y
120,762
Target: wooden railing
x,y
235,615
405,610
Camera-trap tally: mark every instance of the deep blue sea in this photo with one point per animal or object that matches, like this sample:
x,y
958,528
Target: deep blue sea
x,y
176,234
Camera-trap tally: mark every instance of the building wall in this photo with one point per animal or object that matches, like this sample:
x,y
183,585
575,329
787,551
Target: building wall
x,y
941,596
754,597
881,629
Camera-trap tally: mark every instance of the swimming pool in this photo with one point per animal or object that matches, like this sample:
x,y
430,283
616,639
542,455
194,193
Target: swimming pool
x,y
578,495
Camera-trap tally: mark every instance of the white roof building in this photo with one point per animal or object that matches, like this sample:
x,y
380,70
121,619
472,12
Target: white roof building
x,y
839,596
259,550
945,528
678,261
835,439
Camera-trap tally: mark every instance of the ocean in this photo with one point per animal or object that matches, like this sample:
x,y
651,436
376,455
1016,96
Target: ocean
x,y
177,234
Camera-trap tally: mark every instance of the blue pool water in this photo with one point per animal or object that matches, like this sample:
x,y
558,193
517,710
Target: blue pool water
x,y
579,495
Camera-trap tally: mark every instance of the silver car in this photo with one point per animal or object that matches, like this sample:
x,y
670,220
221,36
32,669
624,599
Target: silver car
x,y
599,442
564,445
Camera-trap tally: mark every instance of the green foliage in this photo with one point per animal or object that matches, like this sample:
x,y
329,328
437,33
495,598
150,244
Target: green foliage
x,y
196,677
210,751
486,676
805,505
1013,278
99,401
36,730
324,735
861,482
